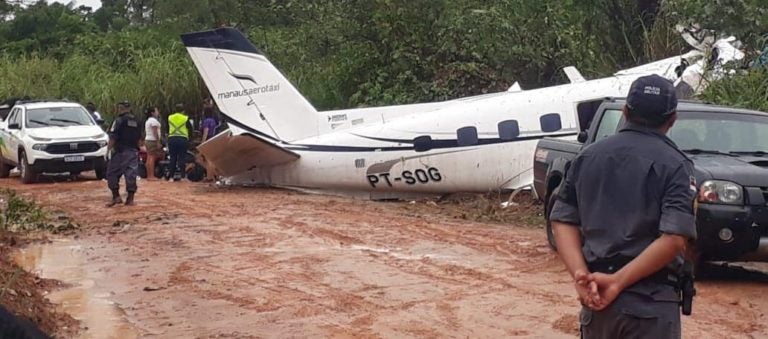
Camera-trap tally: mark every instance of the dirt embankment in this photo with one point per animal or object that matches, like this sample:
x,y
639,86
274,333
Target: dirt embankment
x,y
23,293
192,261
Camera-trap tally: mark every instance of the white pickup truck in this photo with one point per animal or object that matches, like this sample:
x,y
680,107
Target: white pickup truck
x,y
51,137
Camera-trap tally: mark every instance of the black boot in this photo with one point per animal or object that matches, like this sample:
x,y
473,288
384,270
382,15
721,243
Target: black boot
x,y
129,199
115,199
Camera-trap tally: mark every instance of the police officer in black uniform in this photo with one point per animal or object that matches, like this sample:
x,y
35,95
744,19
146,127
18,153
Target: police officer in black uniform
x,y
124,139
623,217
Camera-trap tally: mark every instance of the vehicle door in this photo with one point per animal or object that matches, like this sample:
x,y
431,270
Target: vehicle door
x,y
14,134
610,123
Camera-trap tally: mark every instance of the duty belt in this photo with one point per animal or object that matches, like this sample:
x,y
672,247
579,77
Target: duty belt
x,y
682,281
665,276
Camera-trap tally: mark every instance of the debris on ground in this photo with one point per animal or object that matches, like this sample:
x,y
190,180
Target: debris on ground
x,y
522,210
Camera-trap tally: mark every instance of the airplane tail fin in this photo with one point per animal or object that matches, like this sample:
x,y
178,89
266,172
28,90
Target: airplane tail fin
x,y
248,89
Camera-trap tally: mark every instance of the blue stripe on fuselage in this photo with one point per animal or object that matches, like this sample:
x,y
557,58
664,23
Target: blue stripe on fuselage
x,y
436,144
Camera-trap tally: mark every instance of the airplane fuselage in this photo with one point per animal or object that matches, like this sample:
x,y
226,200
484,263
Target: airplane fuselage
x,y
477,144
438,148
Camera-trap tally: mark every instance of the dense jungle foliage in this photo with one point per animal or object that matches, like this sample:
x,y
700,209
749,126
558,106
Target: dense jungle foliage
x,y
350,53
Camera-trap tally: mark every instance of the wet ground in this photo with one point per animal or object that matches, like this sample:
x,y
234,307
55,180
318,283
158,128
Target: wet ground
x,y
83,295
193,261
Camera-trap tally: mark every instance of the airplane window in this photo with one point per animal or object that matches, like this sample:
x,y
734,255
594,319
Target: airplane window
x,y
467,136
550,122
509,130
422,143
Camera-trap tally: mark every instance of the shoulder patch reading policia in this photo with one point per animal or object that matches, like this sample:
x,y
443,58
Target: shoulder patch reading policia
x,y
132,123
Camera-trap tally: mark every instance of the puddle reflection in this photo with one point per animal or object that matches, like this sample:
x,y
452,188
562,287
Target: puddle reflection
x,y
64,260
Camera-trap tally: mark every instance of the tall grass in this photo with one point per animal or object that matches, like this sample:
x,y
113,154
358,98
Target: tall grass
x,y
746,90
156,77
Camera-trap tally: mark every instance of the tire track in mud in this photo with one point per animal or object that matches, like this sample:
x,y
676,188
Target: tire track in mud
x,y
346,234
350,301
452,274
454,233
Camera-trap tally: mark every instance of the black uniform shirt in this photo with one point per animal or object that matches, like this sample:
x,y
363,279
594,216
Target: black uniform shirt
x,y
125,132
624,191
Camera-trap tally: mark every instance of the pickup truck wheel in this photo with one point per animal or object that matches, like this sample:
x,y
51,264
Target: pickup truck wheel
x,y
5,169
27,175
550,232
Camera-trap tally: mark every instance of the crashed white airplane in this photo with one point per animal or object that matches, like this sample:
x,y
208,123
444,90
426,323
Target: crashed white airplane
x,y
476,144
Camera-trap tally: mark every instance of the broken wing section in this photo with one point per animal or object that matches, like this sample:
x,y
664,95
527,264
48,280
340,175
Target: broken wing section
x,y
234,154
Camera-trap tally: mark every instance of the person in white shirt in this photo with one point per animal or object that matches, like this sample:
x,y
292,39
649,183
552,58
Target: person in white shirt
x,y
152,140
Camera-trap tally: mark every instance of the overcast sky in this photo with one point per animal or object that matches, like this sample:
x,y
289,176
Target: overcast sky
x,y
92,3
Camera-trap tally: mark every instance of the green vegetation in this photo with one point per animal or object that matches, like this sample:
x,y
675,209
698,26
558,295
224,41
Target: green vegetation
x,y
748,90
19,214
22,215
360,52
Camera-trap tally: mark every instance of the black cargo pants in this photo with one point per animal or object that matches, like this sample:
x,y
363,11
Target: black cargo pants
x,y
632,316
123,163
177,149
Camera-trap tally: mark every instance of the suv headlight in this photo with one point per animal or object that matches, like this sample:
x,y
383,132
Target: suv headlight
x,y
102,143
39,139
721,192
39,147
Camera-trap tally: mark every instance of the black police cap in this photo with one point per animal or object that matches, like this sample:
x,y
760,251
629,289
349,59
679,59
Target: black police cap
x,y
652,97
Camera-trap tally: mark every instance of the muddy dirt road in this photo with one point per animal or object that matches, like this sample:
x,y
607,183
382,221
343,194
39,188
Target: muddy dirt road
x,y
193,261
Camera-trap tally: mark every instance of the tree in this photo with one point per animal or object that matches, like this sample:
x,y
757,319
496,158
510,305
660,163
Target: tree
x,y
745,19
43,28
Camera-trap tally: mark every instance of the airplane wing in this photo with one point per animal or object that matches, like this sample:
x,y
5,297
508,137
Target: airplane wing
x,y
233,154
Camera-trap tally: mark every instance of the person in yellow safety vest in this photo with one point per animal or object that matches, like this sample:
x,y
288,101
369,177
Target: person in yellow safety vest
x,y
179,127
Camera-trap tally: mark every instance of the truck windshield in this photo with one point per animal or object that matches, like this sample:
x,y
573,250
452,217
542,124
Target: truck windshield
x,y
58,116
722,132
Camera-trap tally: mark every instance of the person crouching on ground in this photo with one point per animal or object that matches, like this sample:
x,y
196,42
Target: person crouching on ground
x,y
179,127
152,140
124,137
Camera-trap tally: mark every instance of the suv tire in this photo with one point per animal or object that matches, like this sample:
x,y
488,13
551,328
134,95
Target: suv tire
x,y
550,231
27,175
101,172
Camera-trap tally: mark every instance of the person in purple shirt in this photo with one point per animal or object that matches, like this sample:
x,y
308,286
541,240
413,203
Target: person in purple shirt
x,y
208,129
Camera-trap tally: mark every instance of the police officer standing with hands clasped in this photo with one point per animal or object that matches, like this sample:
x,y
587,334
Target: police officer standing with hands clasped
x,y
124,139
623,217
